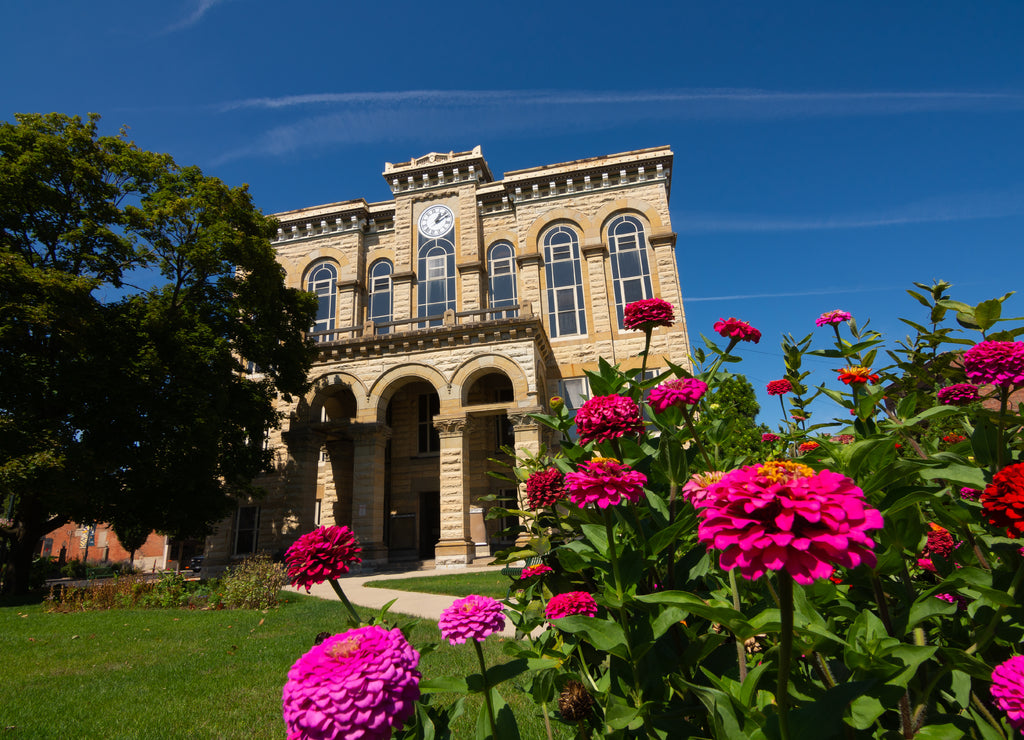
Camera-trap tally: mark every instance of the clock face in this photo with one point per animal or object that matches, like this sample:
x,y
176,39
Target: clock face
x,y
436,220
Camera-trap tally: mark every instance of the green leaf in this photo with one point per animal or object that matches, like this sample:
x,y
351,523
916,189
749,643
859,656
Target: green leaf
x,y
500,673
939,732
987,313
597,536
456,684
603,634
927,607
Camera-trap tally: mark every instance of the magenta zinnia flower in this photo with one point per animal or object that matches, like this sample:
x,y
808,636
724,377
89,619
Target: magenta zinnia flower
x,y
832,317
958,394
608,417
569,604
770,437
695,490
605,482
678,392
1008,689
472,618
784,516
321,555
545,488
738,330
648,313
779,387
535,570
359,684
970,494
940,542
995,363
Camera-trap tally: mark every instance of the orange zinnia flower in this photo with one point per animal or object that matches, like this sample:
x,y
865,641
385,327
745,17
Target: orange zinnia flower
x,y
857,374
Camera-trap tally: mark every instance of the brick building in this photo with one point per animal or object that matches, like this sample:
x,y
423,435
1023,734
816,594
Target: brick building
x,y
447,315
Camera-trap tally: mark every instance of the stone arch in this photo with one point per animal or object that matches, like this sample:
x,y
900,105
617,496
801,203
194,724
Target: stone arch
x,y
502,236
464,377
385,385
326,386
552,218
628,206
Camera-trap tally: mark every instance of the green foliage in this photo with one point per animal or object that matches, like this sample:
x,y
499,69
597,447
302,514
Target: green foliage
x,y
131,292
253,583
734,405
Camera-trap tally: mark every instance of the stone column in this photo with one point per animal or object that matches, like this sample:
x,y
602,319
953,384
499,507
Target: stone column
x,y
528,433
598,322
300,474
336,508
455,547
368,477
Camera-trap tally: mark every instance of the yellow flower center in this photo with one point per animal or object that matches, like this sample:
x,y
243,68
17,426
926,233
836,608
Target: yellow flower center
x,y
604,460
778,470
345,648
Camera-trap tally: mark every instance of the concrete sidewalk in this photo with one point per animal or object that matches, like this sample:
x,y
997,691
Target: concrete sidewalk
x,y
425,606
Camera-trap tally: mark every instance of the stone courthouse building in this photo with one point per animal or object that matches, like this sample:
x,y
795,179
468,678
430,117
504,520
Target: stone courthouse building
x,y
447,316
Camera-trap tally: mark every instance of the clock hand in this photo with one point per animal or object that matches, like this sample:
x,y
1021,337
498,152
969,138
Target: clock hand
x,y
439,217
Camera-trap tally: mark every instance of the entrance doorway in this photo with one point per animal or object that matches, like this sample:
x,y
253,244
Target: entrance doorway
x,y
430,523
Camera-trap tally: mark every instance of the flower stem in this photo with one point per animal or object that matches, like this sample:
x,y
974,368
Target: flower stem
x,y
696,438
353,617
1004,396
487,689
785,651
741,648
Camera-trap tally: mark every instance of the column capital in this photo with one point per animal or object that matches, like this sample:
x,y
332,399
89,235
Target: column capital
x,y
450,426
301,440
521,419
370,431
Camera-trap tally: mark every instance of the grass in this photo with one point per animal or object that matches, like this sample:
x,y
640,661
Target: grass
x,y
172,673
486,583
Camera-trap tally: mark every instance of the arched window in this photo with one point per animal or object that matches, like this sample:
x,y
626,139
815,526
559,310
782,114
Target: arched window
x,y
380,294
566,311
501,274
631,274
436,276
322,281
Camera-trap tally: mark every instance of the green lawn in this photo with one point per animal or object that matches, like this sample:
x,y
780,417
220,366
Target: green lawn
x,y
486,583
186,674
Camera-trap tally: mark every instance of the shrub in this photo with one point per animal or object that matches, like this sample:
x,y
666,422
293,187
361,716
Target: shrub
x,y
253,583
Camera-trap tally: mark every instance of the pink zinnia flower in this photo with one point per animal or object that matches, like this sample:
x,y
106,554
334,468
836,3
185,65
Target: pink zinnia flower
x,y
472,618
647,313
321,555
995,363
359,684
695,490
970,494
608,417
770,437
784,516
535,570
832,317
1008,689
678,392
545,488
569,604
926,564
605,482
843,439
779,387
738,330
958,394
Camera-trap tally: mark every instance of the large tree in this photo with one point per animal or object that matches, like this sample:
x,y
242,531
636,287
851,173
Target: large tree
x,y
132,292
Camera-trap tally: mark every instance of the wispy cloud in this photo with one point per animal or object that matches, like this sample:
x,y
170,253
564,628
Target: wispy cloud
x,y
797,294
348,118
197,15
966,207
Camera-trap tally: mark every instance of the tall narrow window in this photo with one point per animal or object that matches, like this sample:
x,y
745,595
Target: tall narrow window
x,y
627,249
322,281
429,438
247,525
380,294
566,310
436,279
501,273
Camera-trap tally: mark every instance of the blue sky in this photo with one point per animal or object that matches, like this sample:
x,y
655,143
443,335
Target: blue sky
x,y
826,154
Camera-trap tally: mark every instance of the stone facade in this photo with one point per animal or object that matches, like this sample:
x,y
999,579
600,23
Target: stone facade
x,y
447,316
